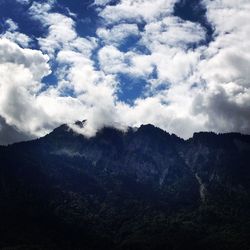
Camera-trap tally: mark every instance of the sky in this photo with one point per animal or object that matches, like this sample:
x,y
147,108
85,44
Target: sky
x,y
182,65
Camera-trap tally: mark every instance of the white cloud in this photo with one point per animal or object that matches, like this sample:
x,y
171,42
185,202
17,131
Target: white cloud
x,y
60,28
114,61
24,105
40,10
21,72
12,25
118,33
25,2
173,64
61,31
33,60
168,40
225,69
206,87
137,10
172,31
102,2
155,110
111,60
94,91
13,34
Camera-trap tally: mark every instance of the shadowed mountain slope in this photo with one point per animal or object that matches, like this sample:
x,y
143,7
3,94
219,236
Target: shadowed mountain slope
x,y
140,189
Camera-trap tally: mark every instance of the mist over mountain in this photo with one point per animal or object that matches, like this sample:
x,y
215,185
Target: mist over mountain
x,y
139,189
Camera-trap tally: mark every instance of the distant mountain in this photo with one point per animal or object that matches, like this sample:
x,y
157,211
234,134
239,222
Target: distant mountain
x,y
140,189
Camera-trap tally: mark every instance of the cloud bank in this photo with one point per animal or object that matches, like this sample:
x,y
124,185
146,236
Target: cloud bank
x,y
188,85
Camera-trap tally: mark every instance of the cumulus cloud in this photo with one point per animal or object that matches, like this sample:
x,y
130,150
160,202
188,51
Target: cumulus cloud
x,y
34,108
61,33
168,42
211,82
21,72
102,2
168,116
25,2
139,10
174,32
225,69
35,112
191,85
114,61
12,33
118,33
60,27
93,88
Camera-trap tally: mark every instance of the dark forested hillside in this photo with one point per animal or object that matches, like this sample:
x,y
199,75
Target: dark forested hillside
x,y
140,189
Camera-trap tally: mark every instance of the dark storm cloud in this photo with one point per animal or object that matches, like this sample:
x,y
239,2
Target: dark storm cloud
x,y
223,112
9,134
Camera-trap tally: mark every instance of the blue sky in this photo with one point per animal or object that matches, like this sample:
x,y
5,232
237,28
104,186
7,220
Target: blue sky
x,y
180,65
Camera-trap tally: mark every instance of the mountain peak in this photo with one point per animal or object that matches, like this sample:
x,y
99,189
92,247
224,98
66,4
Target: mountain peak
x,y
80,124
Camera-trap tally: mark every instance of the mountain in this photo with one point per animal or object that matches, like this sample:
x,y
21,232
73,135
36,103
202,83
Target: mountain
x,y
140,189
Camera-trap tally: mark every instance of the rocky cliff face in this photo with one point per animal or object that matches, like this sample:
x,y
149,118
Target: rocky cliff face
x,y
140,189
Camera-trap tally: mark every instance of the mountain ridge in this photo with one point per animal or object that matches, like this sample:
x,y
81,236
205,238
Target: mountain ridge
x,y
143,189
80,124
